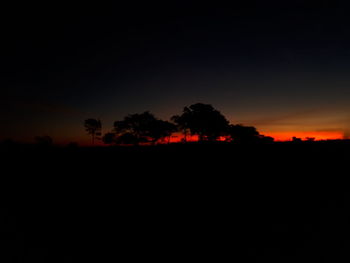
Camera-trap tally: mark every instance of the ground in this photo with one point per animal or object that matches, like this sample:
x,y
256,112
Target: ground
x,y
280,202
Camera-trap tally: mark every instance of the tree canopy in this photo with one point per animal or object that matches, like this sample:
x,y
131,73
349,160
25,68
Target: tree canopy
x,y
202,120
198,119
246,134
144,127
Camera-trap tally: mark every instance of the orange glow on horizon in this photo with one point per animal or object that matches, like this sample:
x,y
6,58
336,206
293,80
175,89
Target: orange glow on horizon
x,y
318,135
277,135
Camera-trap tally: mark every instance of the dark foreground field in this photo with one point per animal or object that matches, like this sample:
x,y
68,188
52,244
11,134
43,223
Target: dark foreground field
x,y
282,202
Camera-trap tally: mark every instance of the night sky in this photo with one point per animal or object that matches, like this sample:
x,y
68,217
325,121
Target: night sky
x,y
281,66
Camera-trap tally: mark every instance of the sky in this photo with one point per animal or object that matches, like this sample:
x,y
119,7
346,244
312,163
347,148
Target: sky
x,y
281,67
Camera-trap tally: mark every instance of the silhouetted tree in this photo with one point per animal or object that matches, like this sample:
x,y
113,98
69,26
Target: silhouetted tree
x,y
144,127
129,139
240,133
181,122
202,120
93,127
295,139
160,129
246,134
109,138
266,139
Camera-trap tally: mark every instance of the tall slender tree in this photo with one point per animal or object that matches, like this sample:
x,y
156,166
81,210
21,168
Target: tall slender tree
x,y
93,127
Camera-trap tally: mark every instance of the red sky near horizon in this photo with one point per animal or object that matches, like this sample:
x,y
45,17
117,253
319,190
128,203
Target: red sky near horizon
x,y
318,135
65,125
285,135
279,68
278,136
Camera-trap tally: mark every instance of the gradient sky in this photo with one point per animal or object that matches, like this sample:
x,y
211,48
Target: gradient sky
x,y
281,67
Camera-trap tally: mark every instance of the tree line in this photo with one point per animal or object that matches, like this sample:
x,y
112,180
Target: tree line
x,y
199,119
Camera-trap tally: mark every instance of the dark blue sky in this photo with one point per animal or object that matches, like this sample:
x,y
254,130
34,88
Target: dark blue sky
x,y
278,66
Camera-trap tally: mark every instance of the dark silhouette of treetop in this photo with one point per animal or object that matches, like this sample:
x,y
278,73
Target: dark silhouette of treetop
x,y
136,125
93,127
246,134
144,127
202,120
162,129
199,119
109,138
242,133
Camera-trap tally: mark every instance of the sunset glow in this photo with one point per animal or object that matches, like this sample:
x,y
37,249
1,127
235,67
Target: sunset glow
x,y
278,136
287,79
172,126
318,135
